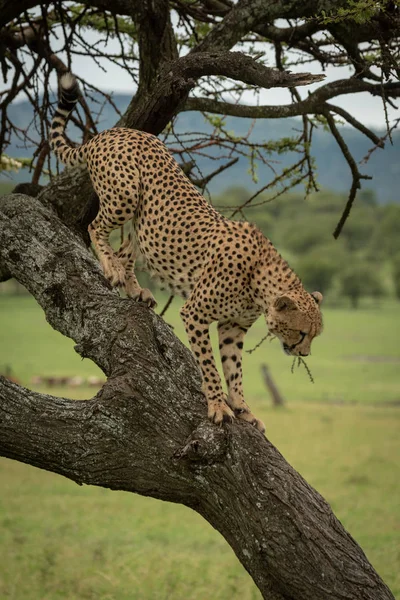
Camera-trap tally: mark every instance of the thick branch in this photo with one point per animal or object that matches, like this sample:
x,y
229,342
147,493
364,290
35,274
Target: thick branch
x,y
157,43
290,35
259,17
146,431
9,9
248,15
313,104
240,67
180,76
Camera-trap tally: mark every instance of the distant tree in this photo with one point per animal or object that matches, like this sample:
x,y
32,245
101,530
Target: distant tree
x,y
368,197
303,234
233,196
396,275
360,229
317,271
386,239
359,280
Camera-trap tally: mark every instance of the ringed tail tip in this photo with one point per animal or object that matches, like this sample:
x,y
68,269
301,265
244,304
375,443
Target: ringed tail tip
x,y
68,82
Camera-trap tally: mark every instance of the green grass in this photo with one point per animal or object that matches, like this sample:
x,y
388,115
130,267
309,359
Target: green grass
x,y
59,540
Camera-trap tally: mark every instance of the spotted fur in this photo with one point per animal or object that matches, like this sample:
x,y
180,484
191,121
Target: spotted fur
x,y
227,270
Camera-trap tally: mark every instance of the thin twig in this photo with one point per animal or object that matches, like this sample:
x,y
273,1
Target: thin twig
x,y
356,175
261,341
168,304
300,361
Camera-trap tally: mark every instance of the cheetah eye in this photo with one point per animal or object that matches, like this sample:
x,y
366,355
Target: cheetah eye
x,y
298,332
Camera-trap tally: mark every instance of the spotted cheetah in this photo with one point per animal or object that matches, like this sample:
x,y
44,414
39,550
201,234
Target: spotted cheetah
x,y
227,270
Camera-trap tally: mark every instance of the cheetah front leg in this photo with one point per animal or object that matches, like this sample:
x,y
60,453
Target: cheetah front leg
x,y
197,329
231,336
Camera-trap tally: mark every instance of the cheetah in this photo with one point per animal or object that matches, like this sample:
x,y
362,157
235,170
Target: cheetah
x,y
227,271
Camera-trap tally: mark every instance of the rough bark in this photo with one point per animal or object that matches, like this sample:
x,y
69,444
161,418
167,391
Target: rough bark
x,y
156,40
71,196
146,430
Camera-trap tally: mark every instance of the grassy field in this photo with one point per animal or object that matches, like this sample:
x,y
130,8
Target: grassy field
x,y
59,540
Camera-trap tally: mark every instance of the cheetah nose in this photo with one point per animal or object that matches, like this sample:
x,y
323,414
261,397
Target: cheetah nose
x,y
301,354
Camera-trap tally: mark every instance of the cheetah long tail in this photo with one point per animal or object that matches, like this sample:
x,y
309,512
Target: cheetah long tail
x,y
69,96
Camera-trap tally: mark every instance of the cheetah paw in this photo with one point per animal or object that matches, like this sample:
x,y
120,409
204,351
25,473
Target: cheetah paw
x,y
142,295
147,297
247,416
219,412
115,276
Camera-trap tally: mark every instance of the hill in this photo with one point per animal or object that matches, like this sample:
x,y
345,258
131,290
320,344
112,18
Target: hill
x,y
333,172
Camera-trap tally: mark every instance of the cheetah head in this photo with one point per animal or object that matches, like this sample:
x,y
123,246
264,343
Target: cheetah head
x,y
295,319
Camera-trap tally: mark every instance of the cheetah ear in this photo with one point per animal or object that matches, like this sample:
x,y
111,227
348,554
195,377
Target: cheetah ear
x,y
284,303
317,297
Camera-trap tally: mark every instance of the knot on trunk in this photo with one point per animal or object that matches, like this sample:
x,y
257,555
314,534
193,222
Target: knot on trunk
x,y
207,444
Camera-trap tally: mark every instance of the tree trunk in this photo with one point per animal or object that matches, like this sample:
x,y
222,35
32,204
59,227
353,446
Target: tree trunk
x,y
146,430
355,300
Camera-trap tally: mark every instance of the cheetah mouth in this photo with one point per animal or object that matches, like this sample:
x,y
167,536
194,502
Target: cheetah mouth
x,y
291,350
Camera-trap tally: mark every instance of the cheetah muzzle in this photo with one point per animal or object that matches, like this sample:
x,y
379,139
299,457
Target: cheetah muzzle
x,y
227,270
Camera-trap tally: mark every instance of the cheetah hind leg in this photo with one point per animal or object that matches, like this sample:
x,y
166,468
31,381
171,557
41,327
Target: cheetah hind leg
x,y
112,267
127,256
118,267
